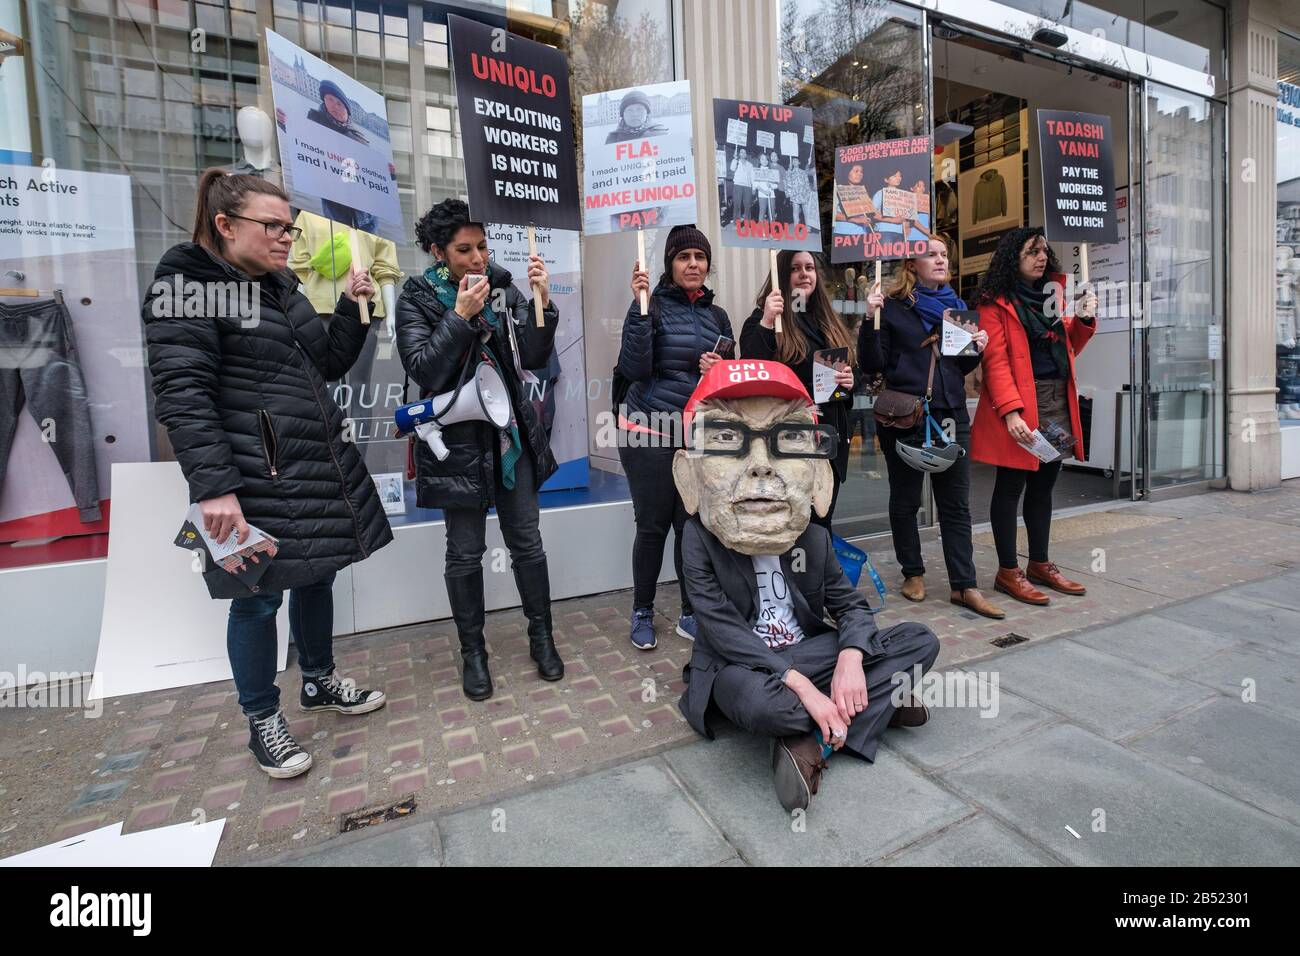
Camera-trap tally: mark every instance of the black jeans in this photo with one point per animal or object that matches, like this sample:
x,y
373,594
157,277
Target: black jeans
x,y
517,510
951,497
656,507
251,641
1037,488
38,364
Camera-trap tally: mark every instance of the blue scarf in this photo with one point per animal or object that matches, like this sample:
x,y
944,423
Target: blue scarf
x,y
512,447
930,303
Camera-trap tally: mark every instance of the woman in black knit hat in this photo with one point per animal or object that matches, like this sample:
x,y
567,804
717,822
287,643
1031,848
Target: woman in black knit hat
x,y
662,357
634,119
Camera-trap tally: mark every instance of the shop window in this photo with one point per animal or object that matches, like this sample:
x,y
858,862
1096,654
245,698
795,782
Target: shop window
x,y
1287,252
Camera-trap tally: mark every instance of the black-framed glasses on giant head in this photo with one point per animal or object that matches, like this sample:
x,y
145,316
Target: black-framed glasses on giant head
x,y
717,436
274,230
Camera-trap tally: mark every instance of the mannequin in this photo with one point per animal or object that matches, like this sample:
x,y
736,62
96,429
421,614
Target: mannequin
x,y
257,140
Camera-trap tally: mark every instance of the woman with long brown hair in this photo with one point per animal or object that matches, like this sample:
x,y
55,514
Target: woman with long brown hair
x,y
905,351
809,324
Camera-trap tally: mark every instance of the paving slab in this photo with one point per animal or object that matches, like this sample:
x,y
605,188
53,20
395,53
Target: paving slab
x,y
1280,592
633,815
957,732
1273,675
1156,642
410,845
1061,774
1207,745
862,811
974,842
1241,617
1102,692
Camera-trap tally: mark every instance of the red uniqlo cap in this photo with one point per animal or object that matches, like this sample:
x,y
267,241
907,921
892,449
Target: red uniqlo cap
x,y
744,379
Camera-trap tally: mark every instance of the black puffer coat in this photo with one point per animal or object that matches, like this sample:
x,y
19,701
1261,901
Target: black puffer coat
x,y
247,411
434,342
660,353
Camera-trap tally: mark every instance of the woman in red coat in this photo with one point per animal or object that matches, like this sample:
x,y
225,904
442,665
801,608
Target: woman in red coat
x,y
1029,384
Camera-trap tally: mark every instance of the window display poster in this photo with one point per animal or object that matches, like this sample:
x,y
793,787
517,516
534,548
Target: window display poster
x,y
882,207
516,127
990,202
772,199
559,395
1077,154
334,142
71,231
638,165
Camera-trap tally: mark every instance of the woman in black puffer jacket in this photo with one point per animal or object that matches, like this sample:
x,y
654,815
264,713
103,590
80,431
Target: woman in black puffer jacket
x,y
663,355
242,394
446,318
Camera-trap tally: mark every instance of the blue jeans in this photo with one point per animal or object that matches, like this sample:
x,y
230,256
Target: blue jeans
x,y
251,640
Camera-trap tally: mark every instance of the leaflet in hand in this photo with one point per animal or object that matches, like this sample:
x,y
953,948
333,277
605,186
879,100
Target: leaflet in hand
x,y
248,562
1050,443
826,362
959,328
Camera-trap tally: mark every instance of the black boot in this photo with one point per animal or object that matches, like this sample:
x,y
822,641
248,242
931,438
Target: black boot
x,y
534,585
465,592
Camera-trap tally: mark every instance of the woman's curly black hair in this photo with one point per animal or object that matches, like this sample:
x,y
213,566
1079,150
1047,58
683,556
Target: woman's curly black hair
x,y
437,226
1003,273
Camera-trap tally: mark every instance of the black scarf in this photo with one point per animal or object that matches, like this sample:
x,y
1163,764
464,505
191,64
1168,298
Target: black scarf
x,y
1031,307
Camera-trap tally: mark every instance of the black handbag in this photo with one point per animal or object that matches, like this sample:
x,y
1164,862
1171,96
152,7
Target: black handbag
x,y
895,409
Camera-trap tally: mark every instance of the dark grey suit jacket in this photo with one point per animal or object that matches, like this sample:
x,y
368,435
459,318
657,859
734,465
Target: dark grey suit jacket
x,y
724,594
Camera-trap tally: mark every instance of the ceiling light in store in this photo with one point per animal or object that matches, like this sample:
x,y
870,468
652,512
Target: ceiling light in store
x,y
951,132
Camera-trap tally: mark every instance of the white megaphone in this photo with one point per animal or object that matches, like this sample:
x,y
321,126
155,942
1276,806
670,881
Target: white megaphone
x,y
482,398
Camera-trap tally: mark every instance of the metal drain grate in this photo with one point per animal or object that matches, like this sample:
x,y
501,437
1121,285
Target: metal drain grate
x,y
375,815
1007,640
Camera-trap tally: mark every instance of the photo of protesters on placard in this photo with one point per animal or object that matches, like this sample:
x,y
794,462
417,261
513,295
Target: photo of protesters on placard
x,y
634,121
882,207
766,177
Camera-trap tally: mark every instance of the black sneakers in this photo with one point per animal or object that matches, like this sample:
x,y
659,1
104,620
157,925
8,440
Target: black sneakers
x,y
274,748
331,692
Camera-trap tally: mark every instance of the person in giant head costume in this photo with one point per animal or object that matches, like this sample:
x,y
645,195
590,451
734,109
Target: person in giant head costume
x,y
763,579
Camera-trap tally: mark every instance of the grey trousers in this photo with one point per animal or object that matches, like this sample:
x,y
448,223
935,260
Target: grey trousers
x,y
39,368
759,703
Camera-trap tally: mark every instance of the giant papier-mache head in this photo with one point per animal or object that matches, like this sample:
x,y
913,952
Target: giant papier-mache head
x,y
756,462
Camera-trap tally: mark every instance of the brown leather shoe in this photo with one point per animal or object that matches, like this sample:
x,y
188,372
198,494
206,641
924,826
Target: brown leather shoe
x,y
910,715
797,765
1012,581
972,599
1045,572
914,587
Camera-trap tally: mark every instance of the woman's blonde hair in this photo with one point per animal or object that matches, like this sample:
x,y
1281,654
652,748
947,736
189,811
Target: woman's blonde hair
x,y
904,280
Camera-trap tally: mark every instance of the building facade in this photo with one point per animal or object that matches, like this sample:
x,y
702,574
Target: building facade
x,y
1197,384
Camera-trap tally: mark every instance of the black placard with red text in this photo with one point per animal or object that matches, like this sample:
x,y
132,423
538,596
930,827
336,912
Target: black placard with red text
x,y
767,180
1078,160
516,127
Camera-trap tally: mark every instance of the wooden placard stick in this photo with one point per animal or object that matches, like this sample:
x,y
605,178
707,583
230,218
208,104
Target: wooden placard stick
x,y
362,301
537,299
776,286
877,317
640,264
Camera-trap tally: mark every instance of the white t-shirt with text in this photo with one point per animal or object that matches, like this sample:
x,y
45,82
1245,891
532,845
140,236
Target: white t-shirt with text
x,y
776,623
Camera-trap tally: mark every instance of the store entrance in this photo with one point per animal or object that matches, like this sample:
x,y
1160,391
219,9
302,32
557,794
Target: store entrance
x,y
989,181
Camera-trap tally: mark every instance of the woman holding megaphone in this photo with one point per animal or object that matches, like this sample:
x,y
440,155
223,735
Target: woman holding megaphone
x,y
463,312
